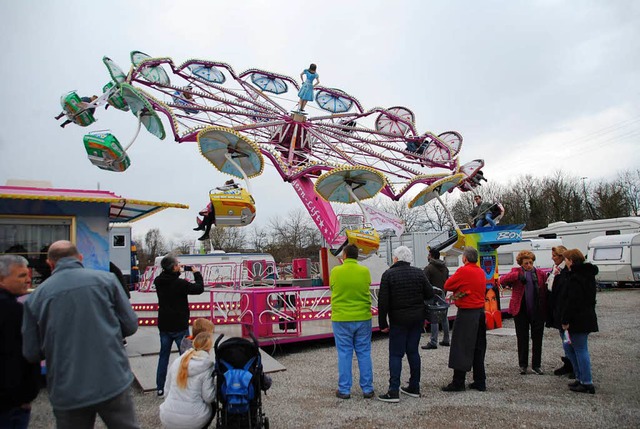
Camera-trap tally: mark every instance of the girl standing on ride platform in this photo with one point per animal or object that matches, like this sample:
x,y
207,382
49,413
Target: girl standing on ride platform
x,y
306,91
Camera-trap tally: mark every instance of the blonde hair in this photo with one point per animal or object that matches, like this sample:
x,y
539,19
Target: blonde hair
x,y
202,341
574,255
525,254
559,250
201,325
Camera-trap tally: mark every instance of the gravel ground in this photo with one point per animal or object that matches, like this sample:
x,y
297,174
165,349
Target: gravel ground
x,y
304,395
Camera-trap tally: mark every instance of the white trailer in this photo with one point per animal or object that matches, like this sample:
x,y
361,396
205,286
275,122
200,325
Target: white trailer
x,y
617,258
418,242
576,235
120,249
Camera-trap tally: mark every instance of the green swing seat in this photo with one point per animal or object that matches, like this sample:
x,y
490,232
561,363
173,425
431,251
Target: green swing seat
x,y
105,152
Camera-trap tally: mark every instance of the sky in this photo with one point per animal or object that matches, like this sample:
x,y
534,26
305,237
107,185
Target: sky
x,y
534,87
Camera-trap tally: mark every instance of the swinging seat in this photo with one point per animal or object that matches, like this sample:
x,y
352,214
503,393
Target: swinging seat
x,y
232,207
72,107
366,239
115,99
105,152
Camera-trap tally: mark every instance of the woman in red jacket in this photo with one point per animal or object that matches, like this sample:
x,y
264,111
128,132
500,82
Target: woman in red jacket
x,y
528,308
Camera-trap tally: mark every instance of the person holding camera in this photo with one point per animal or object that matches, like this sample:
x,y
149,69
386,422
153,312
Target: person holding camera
x,y
173,310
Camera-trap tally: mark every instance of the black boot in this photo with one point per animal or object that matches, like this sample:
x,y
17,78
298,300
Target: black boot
x,y
567,368
457,384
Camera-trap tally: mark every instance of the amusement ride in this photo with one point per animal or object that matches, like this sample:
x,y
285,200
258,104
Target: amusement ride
x,y
344,153
341,152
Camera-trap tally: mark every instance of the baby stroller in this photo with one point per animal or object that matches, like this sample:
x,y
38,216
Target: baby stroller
x,y
240,381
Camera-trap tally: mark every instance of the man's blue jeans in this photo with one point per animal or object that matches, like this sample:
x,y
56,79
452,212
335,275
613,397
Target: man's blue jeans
x,y
404,340
166,338
578,353
15,418
350,337
488,218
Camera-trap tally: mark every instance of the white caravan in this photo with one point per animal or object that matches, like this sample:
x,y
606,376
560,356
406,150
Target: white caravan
x,y
617,258
576,235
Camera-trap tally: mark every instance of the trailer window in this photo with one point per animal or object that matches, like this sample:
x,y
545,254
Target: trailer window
x,y
119,240
607,254
505,258
451,261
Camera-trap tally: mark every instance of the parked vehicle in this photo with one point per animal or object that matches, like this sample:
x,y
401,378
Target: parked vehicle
x,y
576,235
617,258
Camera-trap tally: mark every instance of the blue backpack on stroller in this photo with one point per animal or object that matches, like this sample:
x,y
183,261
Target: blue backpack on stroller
x,y
240,381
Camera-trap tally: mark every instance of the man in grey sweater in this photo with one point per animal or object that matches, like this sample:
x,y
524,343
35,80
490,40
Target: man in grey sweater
x,y
76,320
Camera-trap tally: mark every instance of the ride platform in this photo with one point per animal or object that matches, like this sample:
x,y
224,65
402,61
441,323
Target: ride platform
x,y
143,348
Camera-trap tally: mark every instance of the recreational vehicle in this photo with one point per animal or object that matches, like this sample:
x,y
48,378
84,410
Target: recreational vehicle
x,y
576,235
617,258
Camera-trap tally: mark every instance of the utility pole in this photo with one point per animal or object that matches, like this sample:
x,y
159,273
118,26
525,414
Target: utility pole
x,y
586,200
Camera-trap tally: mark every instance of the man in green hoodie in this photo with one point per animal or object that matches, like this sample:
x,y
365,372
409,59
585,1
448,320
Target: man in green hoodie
x,y
351,322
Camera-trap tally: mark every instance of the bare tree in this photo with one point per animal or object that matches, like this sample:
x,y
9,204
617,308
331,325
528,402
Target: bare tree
x,y
154,246
257,239
609,200
229,239
629,181
414,219
182,246
293,236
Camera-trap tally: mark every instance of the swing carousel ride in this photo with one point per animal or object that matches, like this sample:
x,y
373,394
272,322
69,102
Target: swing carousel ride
x,y
340,152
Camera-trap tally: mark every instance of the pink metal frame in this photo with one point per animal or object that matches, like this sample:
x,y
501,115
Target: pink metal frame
x,y
273,315
299,150
232,275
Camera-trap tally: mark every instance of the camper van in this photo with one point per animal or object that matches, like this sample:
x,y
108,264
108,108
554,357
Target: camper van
x,y
617,258
576,235
507,254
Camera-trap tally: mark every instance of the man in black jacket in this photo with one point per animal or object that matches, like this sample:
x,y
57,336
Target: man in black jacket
x,y
173,310
403,290
437,273
19,379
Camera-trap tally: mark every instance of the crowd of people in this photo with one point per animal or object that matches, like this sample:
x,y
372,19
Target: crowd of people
x,y
563,299
77,310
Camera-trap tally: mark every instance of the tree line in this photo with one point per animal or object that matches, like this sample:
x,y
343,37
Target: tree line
x,y
534,202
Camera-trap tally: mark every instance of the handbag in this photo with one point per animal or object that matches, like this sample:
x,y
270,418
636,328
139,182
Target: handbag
x,y
436,309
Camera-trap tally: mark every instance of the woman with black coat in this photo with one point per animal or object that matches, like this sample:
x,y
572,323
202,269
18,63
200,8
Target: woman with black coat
x,y
557,289
579,318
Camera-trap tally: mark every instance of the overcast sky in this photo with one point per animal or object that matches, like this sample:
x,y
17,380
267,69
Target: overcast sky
x,y
532,86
